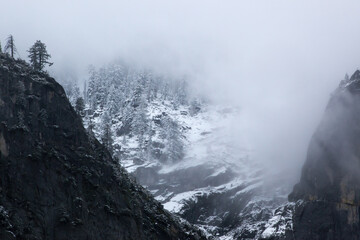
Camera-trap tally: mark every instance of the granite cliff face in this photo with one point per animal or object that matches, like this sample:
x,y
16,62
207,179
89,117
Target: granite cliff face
x,y
56,182
329,190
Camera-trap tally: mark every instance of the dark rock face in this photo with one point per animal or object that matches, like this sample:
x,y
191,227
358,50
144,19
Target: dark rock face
x,y
330,181
58,183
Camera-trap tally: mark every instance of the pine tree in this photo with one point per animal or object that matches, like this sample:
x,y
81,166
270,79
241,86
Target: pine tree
x,y
76,93
39,56
165,90
181,92
0,48
149,145
106,137
92,88
114,100
138,94
90,128
140,122
85,92
80,106
175,145
10,46
123,93
72,90
172,136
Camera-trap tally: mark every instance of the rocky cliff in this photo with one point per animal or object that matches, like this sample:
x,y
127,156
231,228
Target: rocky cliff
x,y
329,190
56,182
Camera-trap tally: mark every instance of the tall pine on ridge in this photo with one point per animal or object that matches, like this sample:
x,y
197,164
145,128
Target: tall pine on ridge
x,y
39,57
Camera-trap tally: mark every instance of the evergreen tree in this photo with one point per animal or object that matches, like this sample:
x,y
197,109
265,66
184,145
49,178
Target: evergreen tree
x,y
98,88
90,131
39,57
123,94
80,106
92,88
149,145
10,46
140,122
102,88
0,48
76,93
90,128
175,145
72,90
85,92
165,91
181,92
171,134
138,95
106,137
114,100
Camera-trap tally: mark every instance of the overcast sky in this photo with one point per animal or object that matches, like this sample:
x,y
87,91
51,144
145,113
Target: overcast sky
x,y
278,60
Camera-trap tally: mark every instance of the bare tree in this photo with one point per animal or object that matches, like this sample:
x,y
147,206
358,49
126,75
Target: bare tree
x,y
10,46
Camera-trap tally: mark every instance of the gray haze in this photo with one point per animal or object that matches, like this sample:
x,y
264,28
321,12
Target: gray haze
x,y
277,60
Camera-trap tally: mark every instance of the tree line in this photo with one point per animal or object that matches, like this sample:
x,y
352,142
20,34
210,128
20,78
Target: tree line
x,y
38,55
121,99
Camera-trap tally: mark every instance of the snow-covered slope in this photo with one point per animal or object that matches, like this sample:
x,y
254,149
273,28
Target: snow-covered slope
x,y
216,185
185,151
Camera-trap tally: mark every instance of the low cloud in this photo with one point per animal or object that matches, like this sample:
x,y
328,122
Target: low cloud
x,y
278,61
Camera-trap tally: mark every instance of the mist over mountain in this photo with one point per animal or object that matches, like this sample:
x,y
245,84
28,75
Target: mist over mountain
x,y
207,110
253,55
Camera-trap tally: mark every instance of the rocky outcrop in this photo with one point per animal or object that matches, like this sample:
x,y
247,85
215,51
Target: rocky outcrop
x,y
56,182
330,181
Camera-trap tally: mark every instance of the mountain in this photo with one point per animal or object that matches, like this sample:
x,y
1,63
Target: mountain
x,y
56,181
181,147
328,194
